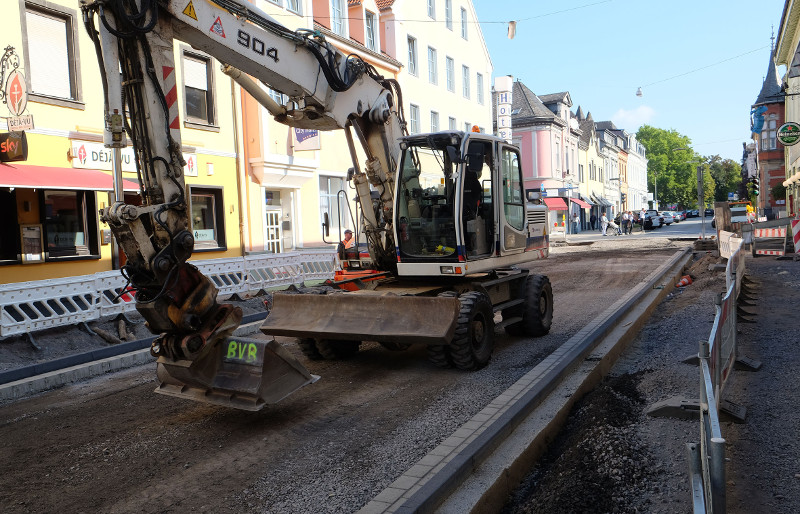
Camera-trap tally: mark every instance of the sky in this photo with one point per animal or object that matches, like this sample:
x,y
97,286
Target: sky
x,y
700,63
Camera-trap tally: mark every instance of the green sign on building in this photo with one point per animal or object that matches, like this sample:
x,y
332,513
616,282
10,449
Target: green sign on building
x,y
789,133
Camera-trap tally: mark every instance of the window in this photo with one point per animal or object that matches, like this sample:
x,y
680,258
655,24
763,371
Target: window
x,y
463,23
465,81
580,172
450,66
451,123
51,59
432,9
70,223
294,6
208,218
558,155
333,204
466,126
769,136
448,14
412,56
9,230
432,72
337,17
414,119
434,121
198,89
371,39
512,189
479,88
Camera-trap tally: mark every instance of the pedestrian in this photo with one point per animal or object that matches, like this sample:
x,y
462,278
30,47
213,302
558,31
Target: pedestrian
x,y
347,245
603,223
623,221
630,222
575,220
593,221
642,216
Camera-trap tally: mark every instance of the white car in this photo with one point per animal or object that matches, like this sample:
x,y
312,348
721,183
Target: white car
x,y
668,217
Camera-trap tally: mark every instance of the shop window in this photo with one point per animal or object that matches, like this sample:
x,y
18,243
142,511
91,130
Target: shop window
x,y
9,229
208,218
51,53
198,89
70,223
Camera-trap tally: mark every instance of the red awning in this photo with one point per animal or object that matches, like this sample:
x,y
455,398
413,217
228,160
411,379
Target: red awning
x,y
555,203
580,202
46,177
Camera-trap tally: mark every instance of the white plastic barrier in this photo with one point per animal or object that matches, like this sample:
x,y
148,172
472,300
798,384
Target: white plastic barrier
x,y
30,306
37,305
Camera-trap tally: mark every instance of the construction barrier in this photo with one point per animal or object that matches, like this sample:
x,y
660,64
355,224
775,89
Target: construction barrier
x,y
717,357
36,305
769,241
796,236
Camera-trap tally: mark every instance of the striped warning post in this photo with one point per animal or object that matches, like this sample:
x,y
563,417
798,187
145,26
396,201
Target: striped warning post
x,y
796,236
171,96
769,241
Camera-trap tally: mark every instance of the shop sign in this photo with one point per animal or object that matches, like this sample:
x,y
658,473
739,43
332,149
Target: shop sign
x,y
789,133
95,156
503,87
13,147
17,123
306,139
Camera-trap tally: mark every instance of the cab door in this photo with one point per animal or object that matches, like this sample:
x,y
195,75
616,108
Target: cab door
x,y
512,208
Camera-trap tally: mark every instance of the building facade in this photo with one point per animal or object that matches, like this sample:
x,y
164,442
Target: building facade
x,y
787,53
50,201
769,109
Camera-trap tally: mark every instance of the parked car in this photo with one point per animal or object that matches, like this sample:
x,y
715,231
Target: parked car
x,y
676,216
667,217
682,215
652,219
695,213
709,212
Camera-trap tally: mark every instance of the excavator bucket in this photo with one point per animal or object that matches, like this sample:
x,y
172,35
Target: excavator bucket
x,y
239,372
364,316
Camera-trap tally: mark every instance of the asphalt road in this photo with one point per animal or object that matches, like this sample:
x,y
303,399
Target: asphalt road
x,y
109,444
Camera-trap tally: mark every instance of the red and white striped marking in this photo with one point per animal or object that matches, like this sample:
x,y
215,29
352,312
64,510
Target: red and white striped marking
x,y
168,73
769,232
769,252
796,235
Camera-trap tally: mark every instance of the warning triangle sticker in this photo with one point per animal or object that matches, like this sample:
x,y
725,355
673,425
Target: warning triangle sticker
x,y
216,28
190,12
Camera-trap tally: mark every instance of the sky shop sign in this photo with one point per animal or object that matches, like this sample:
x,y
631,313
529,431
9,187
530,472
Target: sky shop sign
x,y
95,156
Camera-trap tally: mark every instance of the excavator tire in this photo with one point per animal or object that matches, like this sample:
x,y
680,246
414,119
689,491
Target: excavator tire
x,y
473,342
536,311
309,348
334,349
439,355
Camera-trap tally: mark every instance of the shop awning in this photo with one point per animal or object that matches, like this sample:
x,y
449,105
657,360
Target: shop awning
x,y
555,203
46,177
602,201
581,203
587,200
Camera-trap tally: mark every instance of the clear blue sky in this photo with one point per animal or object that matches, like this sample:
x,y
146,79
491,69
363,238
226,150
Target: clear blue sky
x,y
602,51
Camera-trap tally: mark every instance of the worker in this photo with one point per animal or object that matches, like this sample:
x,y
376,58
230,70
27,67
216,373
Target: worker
x,y
347,247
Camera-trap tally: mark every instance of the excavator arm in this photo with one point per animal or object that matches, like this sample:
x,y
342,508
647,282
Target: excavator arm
x,y
134,41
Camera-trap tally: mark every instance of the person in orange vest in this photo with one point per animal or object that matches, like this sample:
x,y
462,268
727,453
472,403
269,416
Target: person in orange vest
x,y
347,245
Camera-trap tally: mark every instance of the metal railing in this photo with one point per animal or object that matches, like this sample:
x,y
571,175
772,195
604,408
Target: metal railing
x,y
30,306
717,358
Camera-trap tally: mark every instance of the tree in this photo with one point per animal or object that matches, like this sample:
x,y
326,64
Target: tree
x,y
727,175
778,192
672,163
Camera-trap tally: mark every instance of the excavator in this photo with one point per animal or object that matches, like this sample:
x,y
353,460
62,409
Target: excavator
x,y
443,215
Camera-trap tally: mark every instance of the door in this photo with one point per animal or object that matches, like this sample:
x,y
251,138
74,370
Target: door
x,y
512,212
273,241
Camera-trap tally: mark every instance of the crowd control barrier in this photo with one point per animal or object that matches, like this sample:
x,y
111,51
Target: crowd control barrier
x,y
37,305
717,358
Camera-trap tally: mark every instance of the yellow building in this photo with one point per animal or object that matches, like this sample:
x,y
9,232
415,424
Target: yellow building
x,y
50,202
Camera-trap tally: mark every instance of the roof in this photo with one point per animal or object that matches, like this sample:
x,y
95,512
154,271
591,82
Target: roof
x,y
771,91
384,4
526,107
605,125
352,3
562,97
579,114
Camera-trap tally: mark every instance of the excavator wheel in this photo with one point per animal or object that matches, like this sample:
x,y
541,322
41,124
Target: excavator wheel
x,y
395,347
536,311
334,349
473,342
309,348
439,355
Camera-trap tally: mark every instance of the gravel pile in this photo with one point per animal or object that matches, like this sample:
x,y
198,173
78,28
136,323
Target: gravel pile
x,y
613,457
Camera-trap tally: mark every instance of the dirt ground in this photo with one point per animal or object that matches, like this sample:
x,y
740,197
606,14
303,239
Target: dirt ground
x,y
613,457
110,445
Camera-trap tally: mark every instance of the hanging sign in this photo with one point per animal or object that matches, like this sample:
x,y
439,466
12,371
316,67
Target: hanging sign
x,y
502,87
789,133
305,139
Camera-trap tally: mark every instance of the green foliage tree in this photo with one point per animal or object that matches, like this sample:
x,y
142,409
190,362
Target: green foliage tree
x,y
672,164
727,175
778,192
